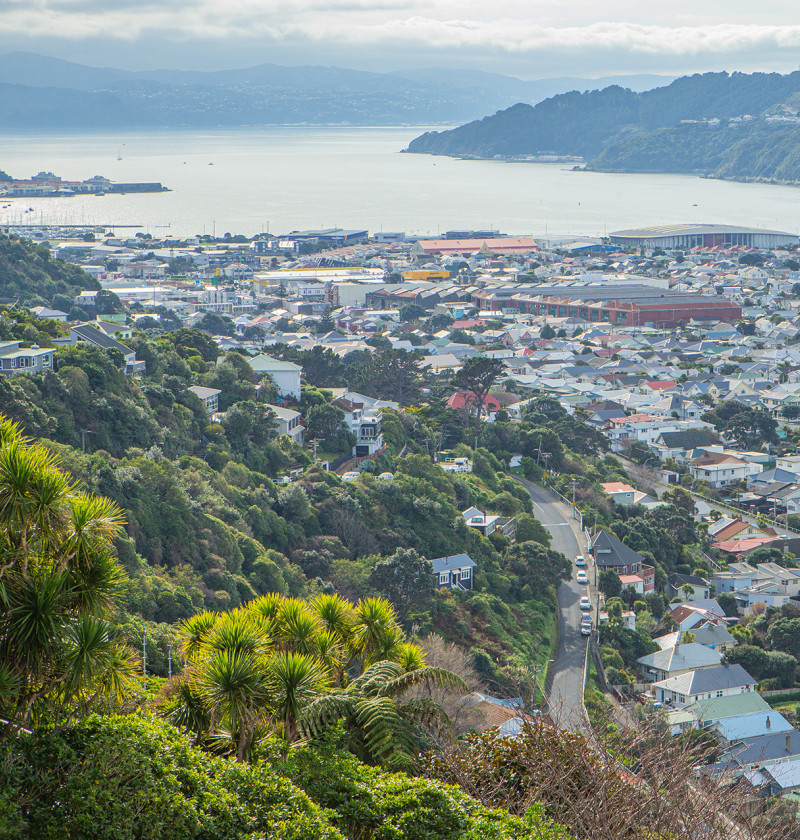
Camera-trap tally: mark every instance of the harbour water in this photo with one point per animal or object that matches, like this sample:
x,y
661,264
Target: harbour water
x,y
279,179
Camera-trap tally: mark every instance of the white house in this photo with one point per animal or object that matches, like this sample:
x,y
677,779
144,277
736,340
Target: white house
x,y
285,375
288,422
365,424
705,684
677,660
719,469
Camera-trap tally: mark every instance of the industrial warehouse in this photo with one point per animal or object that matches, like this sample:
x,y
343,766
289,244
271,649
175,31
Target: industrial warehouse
x,y
622,304
670,237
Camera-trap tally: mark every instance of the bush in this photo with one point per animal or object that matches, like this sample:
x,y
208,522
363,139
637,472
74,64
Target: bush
x,y
125,778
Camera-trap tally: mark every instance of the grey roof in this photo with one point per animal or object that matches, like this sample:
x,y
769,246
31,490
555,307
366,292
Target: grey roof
x,y
452,563
707,680
620,555
690,439
763,748
677,581
99,338
681,657
785,775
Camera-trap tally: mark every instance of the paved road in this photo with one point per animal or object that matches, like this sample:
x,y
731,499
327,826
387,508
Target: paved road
x,y
566,694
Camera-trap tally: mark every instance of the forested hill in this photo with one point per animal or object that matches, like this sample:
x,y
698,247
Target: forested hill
x,y
617,129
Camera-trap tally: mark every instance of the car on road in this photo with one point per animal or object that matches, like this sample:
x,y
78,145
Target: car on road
x,y
581,577
586,629
580,561
586,619
586,604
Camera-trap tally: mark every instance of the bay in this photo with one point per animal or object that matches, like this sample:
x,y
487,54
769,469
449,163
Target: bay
x,y
279,179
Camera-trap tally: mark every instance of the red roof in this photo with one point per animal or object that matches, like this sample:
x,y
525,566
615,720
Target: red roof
x,y
462,398
661,384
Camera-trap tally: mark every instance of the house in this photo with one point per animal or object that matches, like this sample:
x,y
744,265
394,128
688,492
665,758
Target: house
x,y
719,469
694,614
677,660
90,334
488,524
467,399
707,712
16,359
365,424
208,396
677,587
759,752
455,571
714,636
285,375
680,445
704,684
621,493
726,528
288,422
777,779
52,314
609,553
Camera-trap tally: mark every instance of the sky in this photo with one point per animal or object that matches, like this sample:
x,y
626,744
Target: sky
x,y
525,38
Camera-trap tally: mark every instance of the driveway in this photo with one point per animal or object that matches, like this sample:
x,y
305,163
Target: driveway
x,y
566,693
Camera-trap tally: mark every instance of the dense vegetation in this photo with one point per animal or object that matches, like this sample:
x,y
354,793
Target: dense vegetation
x,y
619,130
29,276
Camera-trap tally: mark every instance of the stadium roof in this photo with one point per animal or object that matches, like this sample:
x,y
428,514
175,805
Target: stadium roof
x,y
681,230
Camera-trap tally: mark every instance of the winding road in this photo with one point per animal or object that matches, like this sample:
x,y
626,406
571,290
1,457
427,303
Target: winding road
x,y
566,694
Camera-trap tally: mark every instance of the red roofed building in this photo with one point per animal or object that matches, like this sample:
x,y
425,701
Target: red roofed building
x,y
499,245
463,399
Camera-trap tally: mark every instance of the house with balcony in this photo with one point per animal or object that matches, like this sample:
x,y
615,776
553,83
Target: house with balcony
x,y
609,553
718,469
454,572
365,424
705,684
208,396
15,359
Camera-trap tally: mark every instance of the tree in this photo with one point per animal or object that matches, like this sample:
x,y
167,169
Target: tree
x,y
411,312
535,567
727,601
59,578
547,332
326,423
609,584
784,635
477,375
406,580
680,498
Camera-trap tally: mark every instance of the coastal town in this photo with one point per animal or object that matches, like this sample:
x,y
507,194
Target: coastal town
x,y
676,349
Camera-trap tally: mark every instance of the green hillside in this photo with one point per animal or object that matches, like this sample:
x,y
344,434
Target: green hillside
x,y
29,276
618,130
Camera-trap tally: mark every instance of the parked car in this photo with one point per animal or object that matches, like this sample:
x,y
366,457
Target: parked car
x,y
581,577
350,476
586,629
586,619
580,561
586,604
386,476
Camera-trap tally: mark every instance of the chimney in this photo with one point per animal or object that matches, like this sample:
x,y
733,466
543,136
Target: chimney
x,y
769,723
788,742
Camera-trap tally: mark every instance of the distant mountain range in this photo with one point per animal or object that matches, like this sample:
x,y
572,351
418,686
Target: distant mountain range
x,y
736,126
39,93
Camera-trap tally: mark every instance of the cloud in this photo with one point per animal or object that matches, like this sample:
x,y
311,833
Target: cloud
x,y
509,27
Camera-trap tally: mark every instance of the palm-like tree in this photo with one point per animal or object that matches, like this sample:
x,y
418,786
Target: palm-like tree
x,y
58,577
382,726
297,667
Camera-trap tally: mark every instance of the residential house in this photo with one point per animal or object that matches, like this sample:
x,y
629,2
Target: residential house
x,y
455,571
91,334
621,493
707,712
714,636
52,314
680,445
677,660
609,553
365,424
696,614
488,524
679,586
285,375
704,684
759,752
208,396
16,359
288,422
719,469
